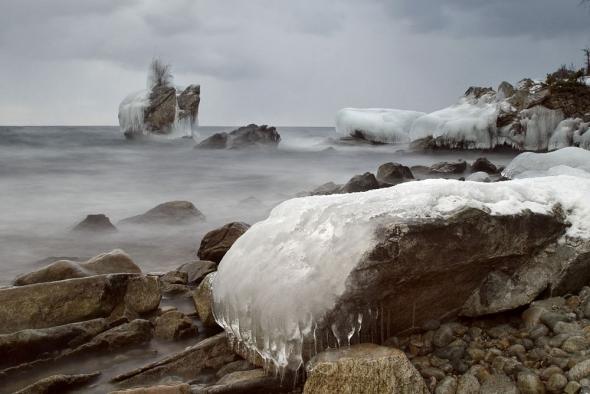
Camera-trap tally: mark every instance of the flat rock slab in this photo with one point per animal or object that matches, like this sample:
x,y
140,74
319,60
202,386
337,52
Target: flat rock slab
x,y
52,304
213,352
58,384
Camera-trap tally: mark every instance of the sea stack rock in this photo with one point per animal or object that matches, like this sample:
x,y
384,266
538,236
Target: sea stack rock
x,y
162,108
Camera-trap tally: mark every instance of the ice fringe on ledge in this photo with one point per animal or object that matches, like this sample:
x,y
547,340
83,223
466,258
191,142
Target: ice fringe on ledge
x,y
388,126
276,284
566,161
132,110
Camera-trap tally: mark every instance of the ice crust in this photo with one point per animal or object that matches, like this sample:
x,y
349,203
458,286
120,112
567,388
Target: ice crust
x,y
381,125
567,161
132,110
276,284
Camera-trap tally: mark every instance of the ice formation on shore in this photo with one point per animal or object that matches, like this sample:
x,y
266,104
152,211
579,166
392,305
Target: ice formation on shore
x,y
378,125
566,161
277,283
132,110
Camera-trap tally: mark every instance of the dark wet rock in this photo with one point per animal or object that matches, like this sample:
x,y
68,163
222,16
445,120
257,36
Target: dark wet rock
x,y
394,173
98,223
364,368
235,366
182,388
188,105
483,164
174,325
213,352
217,242
498,384
203,299
326,189
174,282
58,384
249,381
113,262
169,213
197,270
446,167
28,345
52,304
361,183
251,136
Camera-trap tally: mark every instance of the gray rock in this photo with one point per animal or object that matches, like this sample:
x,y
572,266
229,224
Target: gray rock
x,y
363,368
447,386
556,383
468,384
326,189
58,384
235,366
98,223
250,381
483,164
445,167
394,173
113,262
361,183
173,325
52,304
575,343
213,352
203,299
197,270
579,370
168,213
443,336
479,177
529,383
498,384
188,105
182,388
217,242
251,136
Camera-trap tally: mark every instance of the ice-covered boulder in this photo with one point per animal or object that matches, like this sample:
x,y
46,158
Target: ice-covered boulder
x,y
534,115
566,161
376,125
327,270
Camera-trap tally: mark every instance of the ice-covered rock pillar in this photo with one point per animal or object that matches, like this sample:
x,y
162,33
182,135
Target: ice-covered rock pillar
x,y
327,271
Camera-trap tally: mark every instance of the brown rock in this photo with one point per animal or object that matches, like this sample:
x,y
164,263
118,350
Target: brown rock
x,y
160,115
217,242
98,223
169,213
174,325
197,270
58,384
203,299
182,388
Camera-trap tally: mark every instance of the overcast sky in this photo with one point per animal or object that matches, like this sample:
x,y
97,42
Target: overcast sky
x,y
281,62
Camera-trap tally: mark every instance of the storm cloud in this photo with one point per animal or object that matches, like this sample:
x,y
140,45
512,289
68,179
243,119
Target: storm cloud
x,y
274,61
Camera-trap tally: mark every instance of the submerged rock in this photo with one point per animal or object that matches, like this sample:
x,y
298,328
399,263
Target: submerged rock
x,y
445,167
364,368
58,384
251,136
113,262
216,243
98,223
51,304
169,213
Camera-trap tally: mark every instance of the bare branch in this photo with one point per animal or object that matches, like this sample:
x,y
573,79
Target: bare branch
x,y
159,74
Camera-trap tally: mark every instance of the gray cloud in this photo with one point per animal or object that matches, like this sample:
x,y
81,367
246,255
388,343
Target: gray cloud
x,y
274,61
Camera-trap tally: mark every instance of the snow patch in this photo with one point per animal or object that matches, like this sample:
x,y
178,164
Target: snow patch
x,y
570,161
280,279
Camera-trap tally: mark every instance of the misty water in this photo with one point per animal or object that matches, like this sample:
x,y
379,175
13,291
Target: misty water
x,y
52,177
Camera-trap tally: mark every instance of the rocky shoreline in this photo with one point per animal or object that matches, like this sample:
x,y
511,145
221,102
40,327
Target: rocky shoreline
x,y
512,336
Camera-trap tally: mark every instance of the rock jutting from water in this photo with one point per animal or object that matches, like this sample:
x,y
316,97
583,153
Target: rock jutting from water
x,y
247,137
161,108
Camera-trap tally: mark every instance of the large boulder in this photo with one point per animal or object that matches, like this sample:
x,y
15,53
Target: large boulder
x,y
364,368
372,265
361,183
188,104
98,223
197,270
113,262
160,114
203,300
216,243
251,136
51,304
169,213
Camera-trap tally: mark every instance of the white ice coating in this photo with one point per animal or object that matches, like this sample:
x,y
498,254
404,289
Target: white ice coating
x,y
539,123
132,110
376,124
281,278
566,161
471,123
